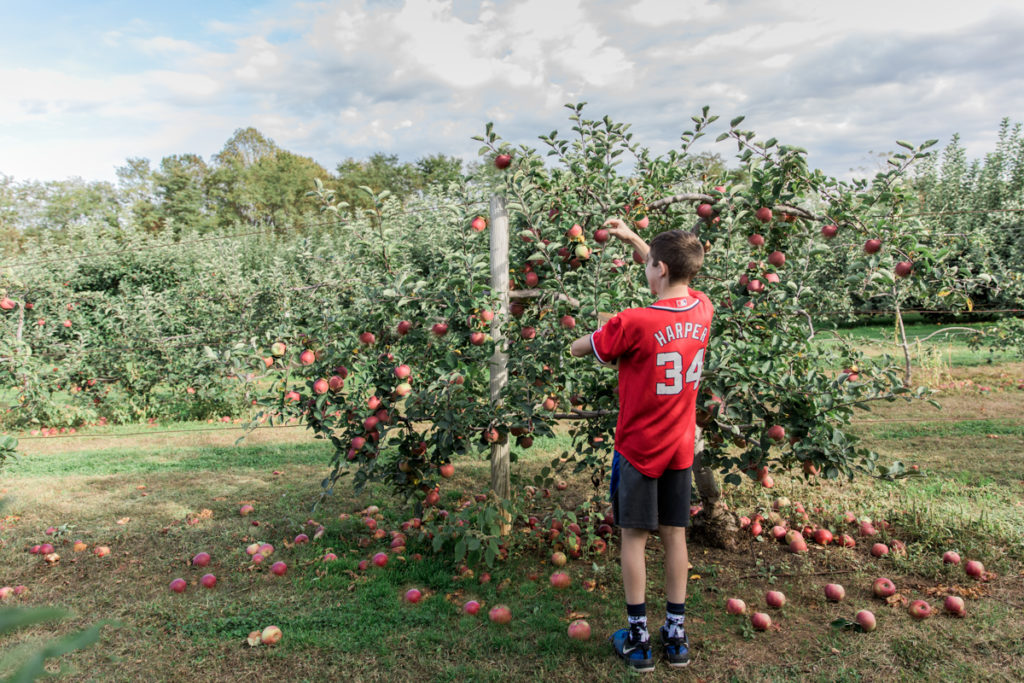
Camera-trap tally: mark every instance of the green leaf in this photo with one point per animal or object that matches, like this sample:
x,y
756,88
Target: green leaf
x,y
736,121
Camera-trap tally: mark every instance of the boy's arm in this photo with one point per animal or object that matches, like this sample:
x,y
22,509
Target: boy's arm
x,y
581,347
618,228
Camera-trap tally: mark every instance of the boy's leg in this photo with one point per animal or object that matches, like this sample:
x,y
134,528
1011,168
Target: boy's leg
x,y
634,565
677,562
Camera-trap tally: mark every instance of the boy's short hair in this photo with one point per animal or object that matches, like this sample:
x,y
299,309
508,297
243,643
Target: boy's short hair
x,y
681,251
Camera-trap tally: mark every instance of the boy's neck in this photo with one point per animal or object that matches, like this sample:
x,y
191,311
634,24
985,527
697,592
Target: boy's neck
x,y
677,290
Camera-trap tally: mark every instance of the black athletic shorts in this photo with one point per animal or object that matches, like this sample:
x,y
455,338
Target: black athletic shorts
x,y
641,502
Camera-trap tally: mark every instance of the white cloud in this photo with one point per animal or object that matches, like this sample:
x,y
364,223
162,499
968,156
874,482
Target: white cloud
x,y
345,78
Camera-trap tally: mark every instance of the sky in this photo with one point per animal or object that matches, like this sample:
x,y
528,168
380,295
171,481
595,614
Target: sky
x,y
86,85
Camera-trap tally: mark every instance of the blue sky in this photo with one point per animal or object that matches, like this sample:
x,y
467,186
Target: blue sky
x,y
83,86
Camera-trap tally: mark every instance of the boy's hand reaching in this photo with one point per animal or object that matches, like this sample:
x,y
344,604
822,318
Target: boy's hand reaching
x,y
618,228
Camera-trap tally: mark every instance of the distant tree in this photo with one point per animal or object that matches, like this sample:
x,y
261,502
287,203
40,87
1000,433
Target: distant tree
x,y
138,193
181,189
256,182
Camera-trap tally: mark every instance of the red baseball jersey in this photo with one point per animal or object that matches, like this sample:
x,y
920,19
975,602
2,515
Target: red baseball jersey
x,y
660,350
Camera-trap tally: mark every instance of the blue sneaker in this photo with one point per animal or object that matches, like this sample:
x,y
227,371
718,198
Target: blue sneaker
x,y
677,650
637,654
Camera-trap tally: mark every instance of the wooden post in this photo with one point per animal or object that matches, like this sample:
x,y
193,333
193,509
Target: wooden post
x,y
500,462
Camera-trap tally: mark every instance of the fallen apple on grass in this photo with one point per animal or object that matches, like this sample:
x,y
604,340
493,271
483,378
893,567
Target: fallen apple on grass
x,y
579,630
919,609
178,585
974,569
883,588
270,635
866,620
208,581
834,592
760,621
954,605
471,607
775,599
500,614
735,606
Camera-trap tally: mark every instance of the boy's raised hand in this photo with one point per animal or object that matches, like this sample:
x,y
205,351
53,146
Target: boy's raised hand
x,y
618,228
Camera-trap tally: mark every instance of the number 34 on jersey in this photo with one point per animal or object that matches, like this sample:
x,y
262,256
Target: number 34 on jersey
x,y
671,362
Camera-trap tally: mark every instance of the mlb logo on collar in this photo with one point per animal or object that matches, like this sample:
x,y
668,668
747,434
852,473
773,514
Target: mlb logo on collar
x,y
681,303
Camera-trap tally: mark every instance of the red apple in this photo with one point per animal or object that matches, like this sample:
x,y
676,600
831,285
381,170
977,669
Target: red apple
x,y
760,621
270,635
822,536
974,569
775,599
403,327
440,329
380,559
413,596
500,614
756,240
951,557
879,550
777,259
477,338
903,268
278,568
367,338
735,606
846,541
568,322
208,581
955,605
178,585
798,546
574,232
579,630
767,481
479,224
560,580
471,607
246,510
601,236
830,231
919,609
6,304
321,386
834,592
301,538
643,222
558,559
705,211
531,279
776,433
201,560
778,532
764,214
866,620
447,470
867,529
872,246
307,357
528,332
883,588
502,161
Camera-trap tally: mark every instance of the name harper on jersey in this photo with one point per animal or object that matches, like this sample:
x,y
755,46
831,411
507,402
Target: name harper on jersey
x,y
681,331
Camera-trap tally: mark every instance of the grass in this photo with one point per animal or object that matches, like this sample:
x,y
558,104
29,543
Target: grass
x,y
340,622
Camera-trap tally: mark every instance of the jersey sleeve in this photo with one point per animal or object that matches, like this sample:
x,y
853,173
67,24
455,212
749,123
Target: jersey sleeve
x,y
611,340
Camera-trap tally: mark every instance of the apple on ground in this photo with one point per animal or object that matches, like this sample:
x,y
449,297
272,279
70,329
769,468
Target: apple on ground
x,y
413,595
560,580
775,599
270,635
866,620
919,609
951,557
974,569
500,614
558,559
735,606
278,568
471,607
879,550
201,559
380,559
883,588
178,585
579,630
834,592
760,621
208,581
246,510
954,605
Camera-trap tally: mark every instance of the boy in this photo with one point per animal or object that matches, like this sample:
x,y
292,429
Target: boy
x,y
659,351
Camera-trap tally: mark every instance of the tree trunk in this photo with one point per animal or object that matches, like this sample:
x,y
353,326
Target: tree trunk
x,y
715,525
501,483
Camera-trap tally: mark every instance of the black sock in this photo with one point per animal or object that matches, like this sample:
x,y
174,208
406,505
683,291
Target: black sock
x,y
637,615
674,618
